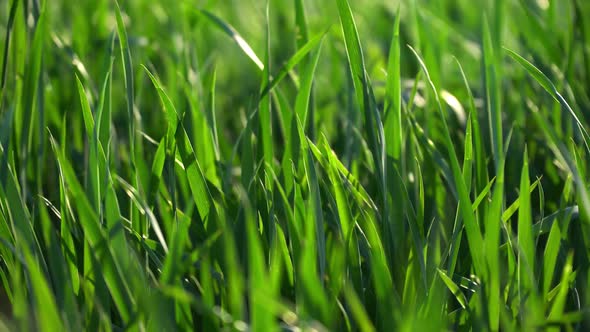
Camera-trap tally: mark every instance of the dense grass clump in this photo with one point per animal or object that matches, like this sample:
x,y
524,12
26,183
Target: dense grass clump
x,y
281,165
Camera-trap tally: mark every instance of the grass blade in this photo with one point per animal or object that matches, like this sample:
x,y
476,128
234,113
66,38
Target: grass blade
x,y
233,34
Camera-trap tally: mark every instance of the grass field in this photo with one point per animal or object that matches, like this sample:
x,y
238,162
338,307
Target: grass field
x,y
294,165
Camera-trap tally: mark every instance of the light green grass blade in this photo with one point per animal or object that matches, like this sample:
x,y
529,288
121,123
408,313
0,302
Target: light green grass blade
x,y
95,236
550,258
344,213
459,296
33,103
546,83
128,75
233,34
304,96
373,125
557,309
353,51
511,210
525,226
471,227
86,112
198,185
265,112
49,318
259,286
358,311
393,93
104,111
293,61
493,94
302,31
9,26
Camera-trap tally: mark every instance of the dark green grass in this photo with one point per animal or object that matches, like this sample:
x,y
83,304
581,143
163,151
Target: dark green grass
x,y
323,165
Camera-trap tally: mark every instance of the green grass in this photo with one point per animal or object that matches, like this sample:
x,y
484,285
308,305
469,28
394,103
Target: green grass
x,y
279,165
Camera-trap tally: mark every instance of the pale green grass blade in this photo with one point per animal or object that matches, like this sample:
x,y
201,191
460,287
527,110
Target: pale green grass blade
x,y
557,309
173,269
459,296
358,312
393,101
32,98
198,185
373,125
302,31
93,188
511,210
493,101
265,111
345,217
550,258
526,243
304,96
95,236
467,174
9,26
315,204
20,221
357,189
128,74
546,83
479,155
211,117
471,227
492,243
293,61
233,34
260,319
48,315
157,169
143,207
564,156
86,112
104,111
353,51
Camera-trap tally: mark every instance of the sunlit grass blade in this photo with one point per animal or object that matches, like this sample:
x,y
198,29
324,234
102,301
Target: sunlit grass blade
x,y
95,236
353,51
358,311
493,96
459,296
33,102
128,74
393,101
525,225
546,83
265,111
233,34
292,62
201,195
49,317
9,26
471,227
301,24
557,309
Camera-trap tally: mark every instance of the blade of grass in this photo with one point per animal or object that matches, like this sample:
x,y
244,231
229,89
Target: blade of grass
x,y
526,245
393,101
233,34
95,236
546,83
294,61
471,227
9,26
